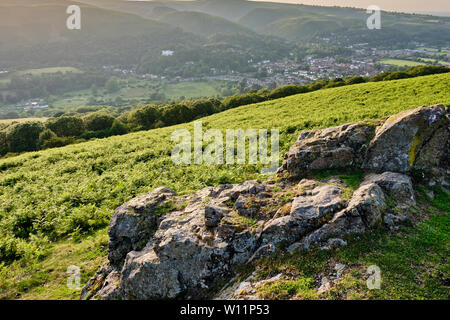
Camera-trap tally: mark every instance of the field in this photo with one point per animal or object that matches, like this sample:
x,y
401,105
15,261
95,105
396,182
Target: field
x,y
55,205
38,72
402,63
192,89
442,62
140,90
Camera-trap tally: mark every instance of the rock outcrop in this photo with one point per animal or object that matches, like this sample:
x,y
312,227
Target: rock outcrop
x,y
164,246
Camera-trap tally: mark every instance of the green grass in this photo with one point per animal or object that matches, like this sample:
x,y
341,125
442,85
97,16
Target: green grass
x,y
402,63
433,60
49,196
139,91
192,89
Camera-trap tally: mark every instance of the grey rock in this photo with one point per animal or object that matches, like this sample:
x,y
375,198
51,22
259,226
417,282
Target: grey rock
x,y
336,147
213,215
132,223
318,205
396,185
412,139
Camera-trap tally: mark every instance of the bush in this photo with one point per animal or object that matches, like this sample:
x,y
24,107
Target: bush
x,y
355,80
98,121
24,136
66,126
177,113
144,117
203,107
287,90
242,99
333,83
3,143
118,128
57,142
47,134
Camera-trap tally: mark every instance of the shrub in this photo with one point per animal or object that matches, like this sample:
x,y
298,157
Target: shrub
x,y
3,143
355,80
144,117
333,83
287,90
47,134
242,99
118,127
56,142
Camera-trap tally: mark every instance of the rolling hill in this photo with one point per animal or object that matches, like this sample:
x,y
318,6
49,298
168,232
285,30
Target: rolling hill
x,y
55,204
37,33
202,23
296,22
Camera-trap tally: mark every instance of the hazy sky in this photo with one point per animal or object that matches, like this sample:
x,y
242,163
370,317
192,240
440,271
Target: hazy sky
x,y
390,5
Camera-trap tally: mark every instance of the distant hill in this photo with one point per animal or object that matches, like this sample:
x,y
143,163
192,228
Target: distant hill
x,y
201,23
37,32
296,22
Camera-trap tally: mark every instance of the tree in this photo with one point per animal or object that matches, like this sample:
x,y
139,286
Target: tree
x,y
24,136
45,135
3,143
66,126
144,117
112,85
98,121
118,128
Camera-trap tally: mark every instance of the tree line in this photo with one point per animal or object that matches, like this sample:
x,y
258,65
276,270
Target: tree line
x,y
64,130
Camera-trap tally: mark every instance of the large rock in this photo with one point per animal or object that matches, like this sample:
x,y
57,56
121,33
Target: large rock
x,y
336,147
413,139
367,208
133,223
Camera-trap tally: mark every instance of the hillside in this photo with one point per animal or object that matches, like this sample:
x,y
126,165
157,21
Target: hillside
x,y
50,200
202,23
296,22
107,34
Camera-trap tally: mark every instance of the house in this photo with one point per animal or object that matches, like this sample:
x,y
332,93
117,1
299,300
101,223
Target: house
x,y
167,53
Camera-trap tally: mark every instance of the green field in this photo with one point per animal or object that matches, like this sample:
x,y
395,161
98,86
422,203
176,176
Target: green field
x,y
442,62
402,63
38,72
139,91
192,89
55,204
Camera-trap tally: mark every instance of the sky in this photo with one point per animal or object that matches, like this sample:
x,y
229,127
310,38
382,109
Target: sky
x,y
389,5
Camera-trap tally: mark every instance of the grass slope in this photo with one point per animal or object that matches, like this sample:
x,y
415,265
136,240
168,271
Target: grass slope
x,y
59,196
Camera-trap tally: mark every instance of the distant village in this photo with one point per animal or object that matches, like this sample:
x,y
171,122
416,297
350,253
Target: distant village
x,y
364,61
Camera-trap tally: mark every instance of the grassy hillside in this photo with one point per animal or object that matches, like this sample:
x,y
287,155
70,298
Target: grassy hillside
x,y
51,200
